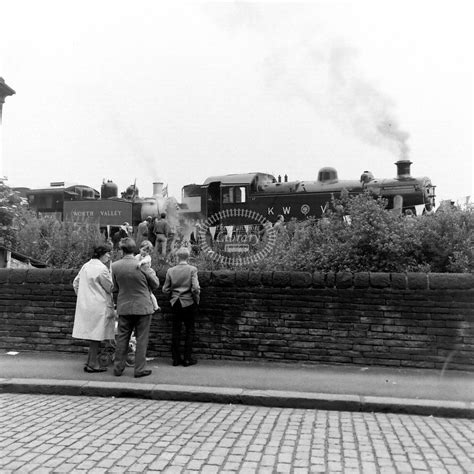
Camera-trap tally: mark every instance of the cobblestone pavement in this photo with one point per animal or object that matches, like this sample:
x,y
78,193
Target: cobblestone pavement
x,y
48,433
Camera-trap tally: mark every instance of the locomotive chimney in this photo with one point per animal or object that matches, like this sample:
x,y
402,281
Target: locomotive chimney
x,y
157,188
403,169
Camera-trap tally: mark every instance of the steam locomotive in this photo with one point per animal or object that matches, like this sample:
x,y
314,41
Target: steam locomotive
x,y
258,193
270,197
81,203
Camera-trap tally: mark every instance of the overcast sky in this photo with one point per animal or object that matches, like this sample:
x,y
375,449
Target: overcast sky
x,y
179,91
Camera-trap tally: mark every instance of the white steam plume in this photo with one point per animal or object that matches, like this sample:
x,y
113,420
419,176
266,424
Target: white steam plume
x,y
140,155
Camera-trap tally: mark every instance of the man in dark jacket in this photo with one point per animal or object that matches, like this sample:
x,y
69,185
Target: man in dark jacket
x,y
142,231
182,286
162,230
134,307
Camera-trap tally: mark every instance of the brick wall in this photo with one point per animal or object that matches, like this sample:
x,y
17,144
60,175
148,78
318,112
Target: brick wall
x,y
406,320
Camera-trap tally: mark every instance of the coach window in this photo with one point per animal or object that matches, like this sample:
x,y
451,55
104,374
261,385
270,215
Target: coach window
x,y
45,201
240,194
228,195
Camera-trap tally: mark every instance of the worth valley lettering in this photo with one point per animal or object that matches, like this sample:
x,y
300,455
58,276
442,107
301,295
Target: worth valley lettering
x,y
77,213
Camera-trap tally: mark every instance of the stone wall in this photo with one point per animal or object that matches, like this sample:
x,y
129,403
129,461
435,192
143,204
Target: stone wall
x,y
401,320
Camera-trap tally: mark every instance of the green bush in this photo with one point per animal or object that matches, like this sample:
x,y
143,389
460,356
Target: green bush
x,y
58,244
10,208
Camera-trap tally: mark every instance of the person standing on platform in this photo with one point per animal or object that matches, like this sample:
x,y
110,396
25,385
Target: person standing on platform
x,y
182,286
134,307
151,231
162,230
142,231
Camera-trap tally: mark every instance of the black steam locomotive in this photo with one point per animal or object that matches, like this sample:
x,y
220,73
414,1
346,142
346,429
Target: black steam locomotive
x,y
270,197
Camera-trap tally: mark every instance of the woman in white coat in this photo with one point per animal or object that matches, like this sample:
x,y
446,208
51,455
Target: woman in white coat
x,y
94,317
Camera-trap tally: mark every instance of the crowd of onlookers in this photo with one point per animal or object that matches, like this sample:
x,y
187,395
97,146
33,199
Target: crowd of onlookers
x,y
156,230
113,304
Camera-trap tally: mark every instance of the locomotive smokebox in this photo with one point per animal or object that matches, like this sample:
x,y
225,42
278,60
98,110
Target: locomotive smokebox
x,y
157,188
403,169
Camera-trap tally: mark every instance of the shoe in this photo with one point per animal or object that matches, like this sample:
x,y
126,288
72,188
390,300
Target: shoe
x,y
118,373
177,362
189,362
91,370
143,374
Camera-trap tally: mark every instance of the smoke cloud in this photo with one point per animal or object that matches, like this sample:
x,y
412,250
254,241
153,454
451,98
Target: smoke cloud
x,y
326,79
306,63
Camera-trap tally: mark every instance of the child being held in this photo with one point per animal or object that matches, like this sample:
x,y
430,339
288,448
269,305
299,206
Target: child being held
x,y
144,263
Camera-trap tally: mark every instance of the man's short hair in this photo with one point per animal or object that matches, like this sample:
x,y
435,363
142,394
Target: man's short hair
x,y
182,253
163,215
127,245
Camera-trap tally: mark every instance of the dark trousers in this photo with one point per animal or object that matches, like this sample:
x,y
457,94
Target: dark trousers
x,y
182,316
126,325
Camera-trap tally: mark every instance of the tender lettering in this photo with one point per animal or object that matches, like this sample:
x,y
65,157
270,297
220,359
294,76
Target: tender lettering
x,y
77,213
110,213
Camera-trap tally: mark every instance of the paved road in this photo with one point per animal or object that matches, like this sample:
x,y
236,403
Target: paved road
x,y
48,433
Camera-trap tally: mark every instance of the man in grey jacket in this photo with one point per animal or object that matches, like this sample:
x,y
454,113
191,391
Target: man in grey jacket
x,y
134,307
182,286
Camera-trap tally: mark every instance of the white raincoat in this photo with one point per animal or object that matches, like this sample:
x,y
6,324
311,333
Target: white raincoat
x,y
94,318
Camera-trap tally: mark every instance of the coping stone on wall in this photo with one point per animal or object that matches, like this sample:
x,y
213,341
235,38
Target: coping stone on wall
x,y
57,276
458,281
417,281
330,279
281,279
241,277
4,275
223,277
399,281
39,275
18,275
319,280
300,279
255,278
361,280
267,278
379,280
69,275
344,280
204,278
